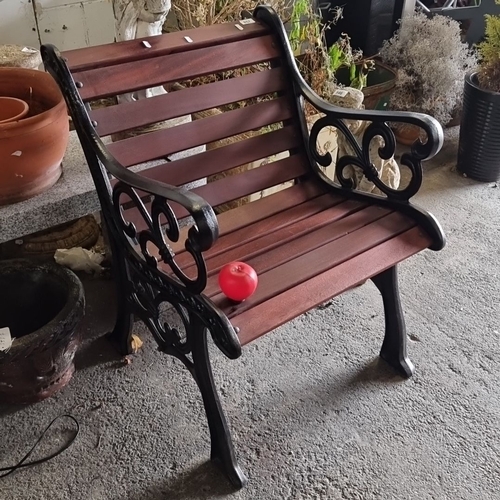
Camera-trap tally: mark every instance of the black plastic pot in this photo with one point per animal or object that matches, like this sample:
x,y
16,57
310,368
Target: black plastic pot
x,y
479,146
42,305
367,22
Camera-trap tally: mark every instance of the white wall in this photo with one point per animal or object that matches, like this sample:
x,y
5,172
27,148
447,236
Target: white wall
x,y
17,23
68,24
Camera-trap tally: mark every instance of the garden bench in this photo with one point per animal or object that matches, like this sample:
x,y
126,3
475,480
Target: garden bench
x,y
308,242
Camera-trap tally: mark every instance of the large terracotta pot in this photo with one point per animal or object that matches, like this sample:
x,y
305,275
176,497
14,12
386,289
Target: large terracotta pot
x,y
31,149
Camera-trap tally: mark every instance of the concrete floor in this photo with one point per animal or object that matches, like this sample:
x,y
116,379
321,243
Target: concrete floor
x,y
315,415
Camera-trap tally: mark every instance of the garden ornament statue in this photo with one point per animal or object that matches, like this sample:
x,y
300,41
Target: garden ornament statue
x,y
138,19
387,168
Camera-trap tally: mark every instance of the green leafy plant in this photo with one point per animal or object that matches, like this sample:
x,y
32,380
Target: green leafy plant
x,y
341,54
318,63
489,51
305,27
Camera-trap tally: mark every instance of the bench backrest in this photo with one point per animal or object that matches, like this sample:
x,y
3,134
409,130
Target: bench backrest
x,y
221,68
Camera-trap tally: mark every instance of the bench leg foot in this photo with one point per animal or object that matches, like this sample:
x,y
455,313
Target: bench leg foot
x,y
222,451
121,336
394,346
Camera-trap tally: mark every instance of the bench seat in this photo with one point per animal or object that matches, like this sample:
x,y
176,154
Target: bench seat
x,y
307,246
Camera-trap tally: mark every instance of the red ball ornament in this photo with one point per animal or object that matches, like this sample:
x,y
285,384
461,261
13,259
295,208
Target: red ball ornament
x,y
238,281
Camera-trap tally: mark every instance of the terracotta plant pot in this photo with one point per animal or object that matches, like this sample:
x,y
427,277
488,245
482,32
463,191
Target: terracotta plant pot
x,y
406,134
12,109
31,149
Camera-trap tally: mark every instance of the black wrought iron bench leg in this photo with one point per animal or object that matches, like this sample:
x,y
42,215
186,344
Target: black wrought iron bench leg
x,y
222,451
394,346
121,336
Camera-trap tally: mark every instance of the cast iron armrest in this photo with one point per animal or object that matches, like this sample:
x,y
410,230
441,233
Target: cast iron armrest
x,y
152,200
201,236
188,294
335,116
397,199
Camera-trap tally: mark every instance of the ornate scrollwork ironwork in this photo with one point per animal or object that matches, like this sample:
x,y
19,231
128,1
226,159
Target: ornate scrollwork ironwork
x,y
156,233
361,158
379,127
148,286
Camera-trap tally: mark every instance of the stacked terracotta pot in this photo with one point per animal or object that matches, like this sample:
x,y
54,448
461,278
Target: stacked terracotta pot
x,y
34,133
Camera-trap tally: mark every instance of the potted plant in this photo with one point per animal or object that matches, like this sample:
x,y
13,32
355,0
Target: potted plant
x,y
479,145
327,68
378,82
33,139
431,61
318,63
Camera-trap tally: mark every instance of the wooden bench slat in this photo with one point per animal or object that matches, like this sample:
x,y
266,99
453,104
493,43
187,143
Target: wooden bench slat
x,y
167,141
283,235
237,186
269,206
284,307
134,50
254,180
128,77
274,230
129,115
316,252
214,161
310,264
257,210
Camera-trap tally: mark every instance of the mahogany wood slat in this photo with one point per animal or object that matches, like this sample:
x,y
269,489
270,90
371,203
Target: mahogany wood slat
x,y
214,161
254,180
278,228
286,235
171,43
278,310
237,186
260,209
129,115
167,141
127,77
306,266
268,206
311,250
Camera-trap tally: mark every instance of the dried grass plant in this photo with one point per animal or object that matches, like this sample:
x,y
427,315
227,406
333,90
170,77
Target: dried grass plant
x,y
195,13
306,33
431,61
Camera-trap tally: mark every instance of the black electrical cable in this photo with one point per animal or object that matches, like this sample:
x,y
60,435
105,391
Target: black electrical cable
x,y
21,463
